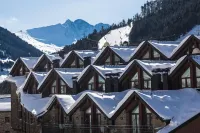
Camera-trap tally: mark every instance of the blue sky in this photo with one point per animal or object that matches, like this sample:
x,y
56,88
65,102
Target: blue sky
x,y
18,15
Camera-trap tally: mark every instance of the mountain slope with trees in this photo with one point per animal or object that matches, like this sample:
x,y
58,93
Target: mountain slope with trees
x,y
165,20
13,47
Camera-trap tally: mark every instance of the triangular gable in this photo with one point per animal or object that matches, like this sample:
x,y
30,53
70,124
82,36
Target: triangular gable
x,y
16,65
183,44
67,57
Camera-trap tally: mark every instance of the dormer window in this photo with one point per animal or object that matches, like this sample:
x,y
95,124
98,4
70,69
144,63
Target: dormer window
x,y
81,64
63,89
107,62
91,84
73,65
134,81
186,79
147,80
117,60
101,84
53,88
146,56
156,55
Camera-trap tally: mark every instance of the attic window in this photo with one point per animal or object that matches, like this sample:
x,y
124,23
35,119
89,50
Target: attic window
x,y
134,81
53,88
198,77
73,65
107,62
186,79
147,80
62,87
146,56
117,60
156,55
91,84
81,64
101,84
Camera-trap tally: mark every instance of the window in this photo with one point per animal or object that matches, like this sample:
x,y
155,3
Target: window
x,y
63,89
46,67
7,120
146,56
91,84
156,55
81,64
147,81
117,60
53,88
107,62
135,120
101,84
134,81
21,71
73,65
149,117
186,79
198,77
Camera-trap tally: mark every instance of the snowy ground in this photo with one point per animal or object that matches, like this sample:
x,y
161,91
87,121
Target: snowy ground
x,y
46,48
116,37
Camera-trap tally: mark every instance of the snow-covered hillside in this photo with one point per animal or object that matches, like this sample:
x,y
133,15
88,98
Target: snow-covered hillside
x,y
194,31
115,37
46,48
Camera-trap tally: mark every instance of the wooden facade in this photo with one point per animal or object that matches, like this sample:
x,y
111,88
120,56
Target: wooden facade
x,y
148,52
19,68
109,57
72,61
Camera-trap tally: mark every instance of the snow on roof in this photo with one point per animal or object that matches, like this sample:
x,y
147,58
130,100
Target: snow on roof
x,y
39,76
102,70
39,85
165,47
29,61
65,58
124,52
53,57
18,80
175,105
34,103
5,103
177,63
67,73
150,65
87,53
137,48
196,58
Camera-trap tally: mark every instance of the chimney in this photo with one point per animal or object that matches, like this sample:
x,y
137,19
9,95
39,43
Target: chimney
x,y
56,63
115,81
156,80
165,78
87,61
108,82
62,54
76,87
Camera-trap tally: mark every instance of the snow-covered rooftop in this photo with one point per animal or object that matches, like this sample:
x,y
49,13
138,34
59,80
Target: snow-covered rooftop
x,y
177,106
86,53
124,52
5,103
39,76
67,73
29,61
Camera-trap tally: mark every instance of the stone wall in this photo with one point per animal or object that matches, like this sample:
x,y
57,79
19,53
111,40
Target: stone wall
x,y
5,122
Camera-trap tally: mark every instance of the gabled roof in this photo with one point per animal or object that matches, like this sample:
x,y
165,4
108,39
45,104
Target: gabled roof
x,y
102,70
29,62
123,52
50,57
81,54
148,66
165,47
65,74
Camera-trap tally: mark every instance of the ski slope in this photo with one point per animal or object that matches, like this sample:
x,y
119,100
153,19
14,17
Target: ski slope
x,y
116,37
194,31
46,48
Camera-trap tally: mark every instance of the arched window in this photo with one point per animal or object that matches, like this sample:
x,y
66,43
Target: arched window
x,y
63,89
101,84
186,79
147,81
198,77
91,84
134,81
